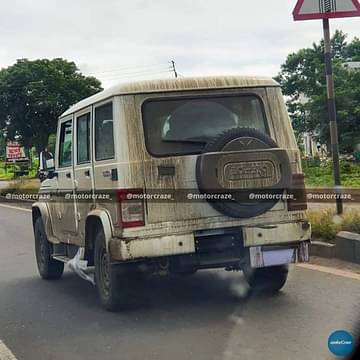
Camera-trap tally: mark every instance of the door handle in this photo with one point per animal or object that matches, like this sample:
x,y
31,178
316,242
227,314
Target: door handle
x,y
68,175
87,172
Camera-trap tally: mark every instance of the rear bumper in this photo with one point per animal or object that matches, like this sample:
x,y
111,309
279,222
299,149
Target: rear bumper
x,y
276,233
131,249
256,237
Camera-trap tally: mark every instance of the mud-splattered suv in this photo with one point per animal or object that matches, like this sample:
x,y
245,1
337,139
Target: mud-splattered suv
x,y
174,176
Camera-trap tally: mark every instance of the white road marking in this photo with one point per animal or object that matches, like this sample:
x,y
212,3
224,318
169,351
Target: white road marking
x,y
330,270
5,352
15,208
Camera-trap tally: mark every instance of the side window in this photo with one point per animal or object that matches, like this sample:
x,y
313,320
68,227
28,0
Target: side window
x,y
83,138
104,132
65,150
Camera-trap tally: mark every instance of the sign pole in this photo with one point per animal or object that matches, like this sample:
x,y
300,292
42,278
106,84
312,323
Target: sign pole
x,y
332,115
325,10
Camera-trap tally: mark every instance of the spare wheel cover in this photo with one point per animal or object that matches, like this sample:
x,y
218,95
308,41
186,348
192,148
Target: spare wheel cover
x,y
241,161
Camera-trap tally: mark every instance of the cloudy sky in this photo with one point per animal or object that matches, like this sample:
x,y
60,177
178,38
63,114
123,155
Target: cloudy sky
x,y
117,40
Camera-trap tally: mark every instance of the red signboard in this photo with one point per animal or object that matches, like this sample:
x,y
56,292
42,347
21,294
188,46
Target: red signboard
x,y
15,152
325,9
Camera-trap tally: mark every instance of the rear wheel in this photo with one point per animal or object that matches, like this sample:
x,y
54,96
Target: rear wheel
x,y
113,281
269,279
49,268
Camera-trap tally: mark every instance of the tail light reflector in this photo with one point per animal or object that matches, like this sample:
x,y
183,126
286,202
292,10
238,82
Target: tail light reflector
x,y
131,208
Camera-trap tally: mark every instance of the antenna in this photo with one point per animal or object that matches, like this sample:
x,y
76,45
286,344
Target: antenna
x,y
174,69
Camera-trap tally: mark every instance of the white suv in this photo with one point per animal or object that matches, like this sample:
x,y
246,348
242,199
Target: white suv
x,y
174,176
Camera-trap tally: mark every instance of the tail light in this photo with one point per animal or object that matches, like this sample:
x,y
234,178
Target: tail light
x,y
131,207
299,201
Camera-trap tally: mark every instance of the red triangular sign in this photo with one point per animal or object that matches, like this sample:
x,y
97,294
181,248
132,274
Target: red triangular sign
x,y
325,9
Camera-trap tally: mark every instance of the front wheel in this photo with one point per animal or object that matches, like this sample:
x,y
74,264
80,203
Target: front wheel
x,y
268,279
49,268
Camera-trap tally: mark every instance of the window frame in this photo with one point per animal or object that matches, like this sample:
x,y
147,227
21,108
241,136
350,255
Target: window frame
x,y
77,116
61,124
195,96
104,103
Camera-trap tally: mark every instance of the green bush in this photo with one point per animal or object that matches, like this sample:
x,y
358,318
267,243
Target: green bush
x,y
326,224
322,174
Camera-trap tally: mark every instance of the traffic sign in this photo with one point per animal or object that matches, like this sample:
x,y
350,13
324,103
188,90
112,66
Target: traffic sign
x,y
325,9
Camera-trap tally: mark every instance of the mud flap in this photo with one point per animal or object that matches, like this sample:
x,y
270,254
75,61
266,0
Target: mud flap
x,y
80,267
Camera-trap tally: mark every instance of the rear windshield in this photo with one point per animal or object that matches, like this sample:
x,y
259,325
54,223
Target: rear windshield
x,y
180,127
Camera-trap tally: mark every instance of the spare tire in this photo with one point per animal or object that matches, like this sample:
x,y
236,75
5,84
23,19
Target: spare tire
x,y
242,161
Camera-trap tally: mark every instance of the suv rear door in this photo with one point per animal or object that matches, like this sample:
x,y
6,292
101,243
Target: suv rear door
x,y
104,155
169,122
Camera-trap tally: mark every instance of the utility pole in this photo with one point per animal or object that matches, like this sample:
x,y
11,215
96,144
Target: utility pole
x,y
332,115
174,69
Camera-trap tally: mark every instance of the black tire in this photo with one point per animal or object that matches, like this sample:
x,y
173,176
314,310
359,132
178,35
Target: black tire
x,y
229,141
112,285
49,269
269,279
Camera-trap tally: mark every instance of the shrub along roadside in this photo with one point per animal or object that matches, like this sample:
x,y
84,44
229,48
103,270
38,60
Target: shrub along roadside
x,y
326,224
9,174
320,173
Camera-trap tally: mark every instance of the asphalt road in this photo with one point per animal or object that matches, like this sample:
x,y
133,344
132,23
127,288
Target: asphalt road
x,y
208,316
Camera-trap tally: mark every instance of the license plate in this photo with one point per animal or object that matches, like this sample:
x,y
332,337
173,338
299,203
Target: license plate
x,y
263,257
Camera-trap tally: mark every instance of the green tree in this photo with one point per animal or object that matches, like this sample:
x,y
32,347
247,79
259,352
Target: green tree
x,y
51,143
302,78
34,93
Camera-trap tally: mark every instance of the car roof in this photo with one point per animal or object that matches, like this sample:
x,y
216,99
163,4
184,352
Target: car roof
x,y
168,85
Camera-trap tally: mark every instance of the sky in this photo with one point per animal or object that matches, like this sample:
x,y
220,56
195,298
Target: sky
x,y
121,40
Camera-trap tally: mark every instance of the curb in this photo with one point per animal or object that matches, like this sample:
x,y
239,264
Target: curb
x,y
346,247
322,249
